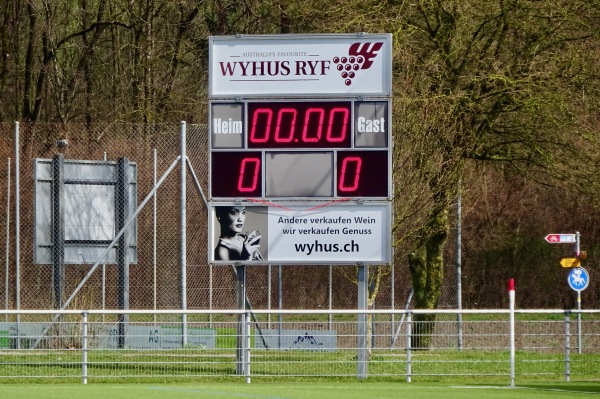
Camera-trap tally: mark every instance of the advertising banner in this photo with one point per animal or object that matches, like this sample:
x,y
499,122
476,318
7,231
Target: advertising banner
x,y
306,340
300,65
333,234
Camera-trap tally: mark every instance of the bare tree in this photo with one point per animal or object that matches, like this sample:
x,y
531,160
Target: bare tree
x,y
489,78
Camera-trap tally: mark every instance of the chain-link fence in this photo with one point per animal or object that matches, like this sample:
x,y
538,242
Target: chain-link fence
x,y
541,345
154,270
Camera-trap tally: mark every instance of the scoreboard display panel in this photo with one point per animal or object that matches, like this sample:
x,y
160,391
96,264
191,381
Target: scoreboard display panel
x,y
300,149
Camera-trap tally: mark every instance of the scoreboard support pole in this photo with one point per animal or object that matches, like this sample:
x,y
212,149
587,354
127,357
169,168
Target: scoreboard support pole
x,y
362,347
242,352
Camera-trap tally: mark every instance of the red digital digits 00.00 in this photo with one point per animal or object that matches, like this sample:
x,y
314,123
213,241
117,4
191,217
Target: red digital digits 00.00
x,y
299,124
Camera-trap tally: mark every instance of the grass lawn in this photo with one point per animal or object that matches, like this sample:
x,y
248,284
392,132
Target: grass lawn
x,y
298,390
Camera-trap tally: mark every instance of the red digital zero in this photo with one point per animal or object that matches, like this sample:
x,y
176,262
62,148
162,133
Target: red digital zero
x,y
362,173
236,174
248,176
350,174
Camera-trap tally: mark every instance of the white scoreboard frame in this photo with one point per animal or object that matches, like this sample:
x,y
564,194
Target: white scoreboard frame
x,y
323,67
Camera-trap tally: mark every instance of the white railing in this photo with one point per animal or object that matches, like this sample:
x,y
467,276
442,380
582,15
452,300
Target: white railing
x,y
407,345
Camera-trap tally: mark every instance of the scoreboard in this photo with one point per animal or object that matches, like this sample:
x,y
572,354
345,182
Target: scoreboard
x,y
308,148
300,149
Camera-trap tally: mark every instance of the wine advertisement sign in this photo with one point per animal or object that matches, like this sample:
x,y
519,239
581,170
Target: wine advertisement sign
x,y
333,234
305,65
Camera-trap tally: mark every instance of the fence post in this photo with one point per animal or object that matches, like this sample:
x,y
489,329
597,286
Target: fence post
x,y
154,237
7,250
511,293
58,228
567,346
240,273
362,356
247,347
121,216
579,322
18,231
84,348
183,239
459,320
408,352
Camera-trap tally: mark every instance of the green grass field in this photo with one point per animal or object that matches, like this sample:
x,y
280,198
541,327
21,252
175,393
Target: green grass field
x,y
296,390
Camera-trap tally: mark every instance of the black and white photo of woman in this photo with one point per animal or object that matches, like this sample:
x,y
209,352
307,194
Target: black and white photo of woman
x,y
234,243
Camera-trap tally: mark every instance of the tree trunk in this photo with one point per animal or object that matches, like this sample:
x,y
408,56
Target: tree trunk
x,y
27,112
376,273
426,266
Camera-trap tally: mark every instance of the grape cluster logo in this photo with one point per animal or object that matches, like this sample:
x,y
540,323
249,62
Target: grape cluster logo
x,y
360,56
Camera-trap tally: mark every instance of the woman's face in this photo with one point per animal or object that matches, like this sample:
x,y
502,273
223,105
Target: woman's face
x,y
235,218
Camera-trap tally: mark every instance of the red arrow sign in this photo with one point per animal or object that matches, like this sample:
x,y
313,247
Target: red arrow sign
x,y
561,238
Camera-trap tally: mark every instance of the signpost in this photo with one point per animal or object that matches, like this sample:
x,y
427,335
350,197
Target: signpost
x,y
568,239
578,280
561,238
578,277
570,262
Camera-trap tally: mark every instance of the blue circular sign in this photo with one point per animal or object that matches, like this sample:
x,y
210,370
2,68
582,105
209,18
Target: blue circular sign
x,y
578,279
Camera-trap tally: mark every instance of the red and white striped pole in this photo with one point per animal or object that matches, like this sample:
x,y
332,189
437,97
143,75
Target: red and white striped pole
x,y
511,299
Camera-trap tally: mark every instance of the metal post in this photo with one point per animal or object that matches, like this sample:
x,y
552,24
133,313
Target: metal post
x,y
459,268
406,306
393,301
154,258
408,346
567,347
105,159
247,347
511,293
197,182
579,322
121,216
210,293
103,290
58,229
269,295
84,348
241,304
18,231
330,301
577,253
183,251
7,250
363,277
280,305
373,333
